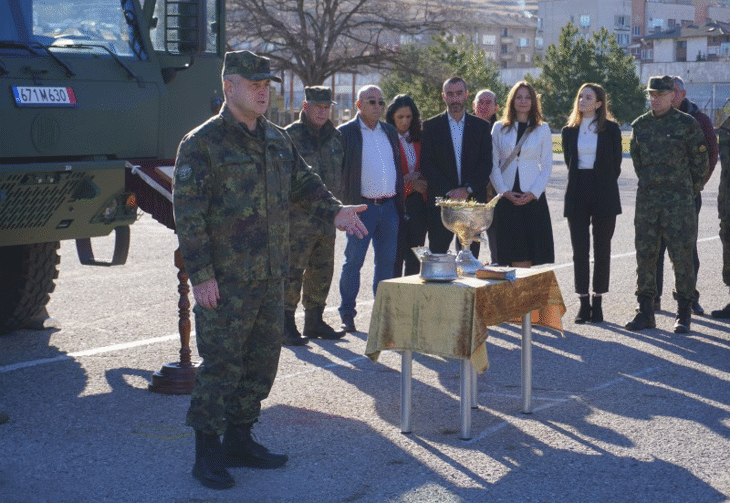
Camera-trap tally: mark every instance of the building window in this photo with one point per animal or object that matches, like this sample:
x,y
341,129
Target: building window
x,y
505,48
655,24
621,21
725,49
637,30
490,55
489,39
585,21
622,39
523,42
538,42
505,32
671,23
647,54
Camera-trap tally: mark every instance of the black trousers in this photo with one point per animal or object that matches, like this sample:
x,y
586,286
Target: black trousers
x,y
411,232
439,237
663,248
580,225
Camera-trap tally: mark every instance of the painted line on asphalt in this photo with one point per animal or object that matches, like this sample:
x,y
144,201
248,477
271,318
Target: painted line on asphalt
x,y
87,352
117,347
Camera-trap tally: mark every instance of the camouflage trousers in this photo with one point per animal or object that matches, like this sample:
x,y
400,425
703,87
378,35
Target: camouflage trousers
x,y
239,342
311,263
673,217
725,240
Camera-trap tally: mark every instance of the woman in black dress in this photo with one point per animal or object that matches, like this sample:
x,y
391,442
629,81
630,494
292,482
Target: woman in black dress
x,y
524,230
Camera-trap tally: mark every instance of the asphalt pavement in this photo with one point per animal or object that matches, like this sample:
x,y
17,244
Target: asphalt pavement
x,y
618,416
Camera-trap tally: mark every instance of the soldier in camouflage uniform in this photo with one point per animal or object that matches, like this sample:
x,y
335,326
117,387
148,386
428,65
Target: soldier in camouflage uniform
x,y
670,159
312,256
723,209
235,176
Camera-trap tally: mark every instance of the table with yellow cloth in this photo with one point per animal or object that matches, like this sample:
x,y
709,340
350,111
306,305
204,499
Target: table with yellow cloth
x,y
450,319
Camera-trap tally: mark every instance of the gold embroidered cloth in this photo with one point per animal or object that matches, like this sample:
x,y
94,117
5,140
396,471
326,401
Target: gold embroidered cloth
x,y
451,319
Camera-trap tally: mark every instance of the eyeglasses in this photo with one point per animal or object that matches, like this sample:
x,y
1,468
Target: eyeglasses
x,y
374,102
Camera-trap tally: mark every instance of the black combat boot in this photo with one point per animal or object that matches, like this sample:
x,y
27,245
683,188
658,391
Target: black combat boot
x,y
584,313
292,337
209,468
684,316
315,327
596,309
645,317
242,450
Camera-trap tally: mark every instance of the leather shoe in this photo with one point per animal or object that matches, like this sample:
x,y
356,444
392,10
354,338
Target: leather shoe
x,y
696,308
723,313
348,325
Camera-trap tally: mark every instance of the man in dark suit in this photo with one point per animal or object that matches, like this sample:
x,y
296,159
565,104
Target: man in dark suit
x,y
370,175
456,159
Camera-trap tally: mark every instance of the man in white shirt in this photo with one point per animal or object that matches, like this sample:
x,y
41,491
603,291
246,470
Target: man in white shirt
x,y
370,176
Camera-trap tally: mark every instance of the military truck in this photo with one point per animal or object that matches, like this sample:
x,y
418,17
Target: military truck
x,y
90,89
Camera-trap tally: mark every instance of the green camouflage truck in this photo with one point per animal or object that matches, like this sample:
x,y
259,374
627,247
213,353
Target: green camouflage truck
x,y
90,89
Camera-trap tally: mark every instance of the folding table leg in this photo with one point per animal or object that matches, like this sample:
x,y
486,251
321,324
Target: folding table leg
x,y
527,363
467,385
406,390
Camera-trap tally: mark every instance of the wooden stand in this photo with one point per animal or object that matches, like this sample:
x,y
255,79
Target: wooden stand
x,y
178,378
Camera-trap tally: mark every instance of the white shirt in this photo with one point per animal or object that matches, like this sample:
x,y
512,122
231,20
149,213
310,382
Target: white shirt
x,y
378,173
587,144
409,150
457,138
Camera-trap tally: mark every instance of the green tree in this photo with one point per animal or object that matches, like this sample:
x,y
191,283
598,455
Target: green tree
x,y
577,60
422,70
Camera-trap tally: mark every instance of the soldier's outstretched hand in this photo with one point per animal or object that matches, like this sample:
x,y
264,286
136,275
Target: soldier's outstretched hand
x,y
347,220
206,294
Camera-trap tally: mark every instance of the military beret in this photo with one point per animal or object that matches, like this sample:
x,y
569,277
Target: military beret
x,y
248,65
318,94
663,83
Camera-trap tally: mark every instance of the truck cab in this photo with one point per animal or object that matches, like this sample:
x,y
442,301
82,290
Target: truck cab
x,y
89,89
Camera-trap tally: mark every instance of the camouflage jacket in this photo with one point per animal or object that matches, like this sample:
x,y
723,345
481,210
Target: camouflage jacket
x,y
231,196
321,148
723,195
669,152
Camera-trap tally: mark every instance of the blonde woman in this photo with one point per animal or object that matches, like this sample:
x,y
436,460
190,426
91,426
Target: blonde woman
x,y
592,150
522,156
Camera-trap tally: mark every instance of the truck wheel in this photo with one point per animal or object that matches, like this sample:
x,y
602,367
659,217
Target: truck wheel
x,y
27,274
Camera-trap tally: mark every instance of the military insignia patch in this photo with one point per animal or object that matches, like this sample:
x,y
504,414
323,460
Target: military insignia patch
x,y
702,148
184,172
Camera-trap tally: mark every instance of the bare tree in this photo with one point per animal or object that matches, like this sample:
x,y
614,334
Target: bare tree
x,y
317,38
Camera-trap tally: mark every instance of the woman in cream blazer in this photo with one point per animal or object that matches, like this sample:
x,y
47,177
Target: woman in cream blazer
x,y
522,217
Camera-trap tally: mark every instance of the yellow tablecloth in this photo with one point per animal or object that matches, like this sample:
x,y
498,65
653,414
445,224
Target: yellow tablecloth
x,y
451,319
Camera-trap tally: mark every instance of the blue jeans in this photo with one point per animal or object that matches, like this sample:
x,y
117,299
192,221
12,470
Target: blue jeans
x,y
381,222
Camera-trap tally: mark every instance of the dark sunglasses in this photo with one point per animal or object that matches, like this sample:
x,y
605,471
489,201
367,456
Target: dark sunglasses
x,y
374,102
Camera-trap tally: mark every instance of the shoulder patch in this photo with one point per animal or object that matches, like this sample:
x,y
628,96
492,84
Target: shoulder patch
x,y
702,148
184,172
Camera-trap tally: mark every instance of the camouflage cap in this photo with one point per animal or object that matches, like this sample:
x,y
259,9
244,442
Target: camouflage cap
x,y
318,94
660,83
248,65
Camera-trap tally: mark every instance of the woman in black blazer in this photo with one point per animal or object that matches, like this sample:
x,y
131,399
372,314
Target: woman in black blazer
x,y
592,150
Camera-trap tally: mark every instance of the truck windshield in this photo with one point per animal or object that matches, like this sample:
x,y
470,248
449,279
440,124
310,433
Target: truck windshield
x,y
54,23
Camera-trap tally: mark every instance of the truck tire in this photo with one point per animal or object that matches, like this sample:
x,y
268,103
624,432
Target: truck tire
x,y
27,274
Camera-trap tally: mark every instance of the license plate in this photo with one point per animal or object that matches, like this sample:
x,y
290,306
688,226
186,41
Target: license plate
x,y
37,96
